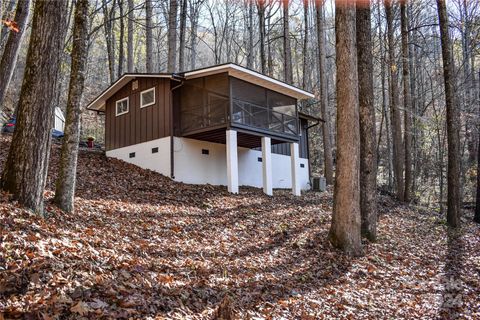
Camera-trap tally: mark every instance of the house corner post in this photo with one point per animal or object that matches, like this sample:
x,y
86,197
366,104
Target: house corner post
x,y
232,161
267,165
295,163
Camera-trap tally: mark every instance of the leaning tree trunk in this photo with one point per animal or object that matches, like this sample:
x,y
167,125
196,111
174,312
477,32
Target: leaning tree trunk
x,y
25,171
407,101
9,57
398,155
183,26
65,187
322,73
453,120
345,229
172,36
130,37
368,154
287,49
149,36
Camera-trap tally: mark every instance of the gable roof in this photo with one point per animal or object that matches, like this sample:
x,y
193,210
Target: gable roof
x,y
232,69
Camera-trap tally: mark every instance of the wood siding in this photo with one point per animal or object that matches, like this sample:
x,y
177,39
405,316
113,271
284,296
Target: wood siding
x,y
139,124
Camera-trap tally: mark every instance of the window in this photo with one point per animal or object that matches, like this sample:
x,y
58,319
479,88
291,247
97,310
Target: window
x,y
131,155
155,150
147,97
121,106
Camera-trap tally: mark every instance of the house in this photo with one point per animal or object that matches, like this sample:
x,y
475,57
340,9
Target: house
x,y
59,120
222,125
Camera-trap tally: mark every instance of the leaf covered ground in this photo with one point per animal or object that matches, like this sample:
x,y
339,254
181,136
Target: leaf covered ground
x,y
141,246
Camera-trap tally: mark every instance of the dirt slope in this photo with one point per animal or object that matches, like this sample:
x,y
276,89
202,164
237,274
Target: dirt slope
x,y
141,246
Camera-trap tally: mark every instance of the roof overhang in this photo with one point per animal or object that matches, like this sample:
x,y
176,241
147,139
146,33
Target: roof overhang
x,y
98,104
251,76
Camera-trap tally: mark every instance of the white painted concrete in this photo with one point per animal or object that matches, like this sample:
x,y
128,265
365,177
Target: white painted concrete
x,y
267,165
232,161
144,158
295,165
191,166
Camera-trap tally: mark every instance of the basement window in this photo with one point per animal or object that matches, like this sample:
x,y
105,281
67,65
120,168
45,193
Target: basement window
x,y
155,150
205,151
302,165
121,106
259,159
147,97
131,155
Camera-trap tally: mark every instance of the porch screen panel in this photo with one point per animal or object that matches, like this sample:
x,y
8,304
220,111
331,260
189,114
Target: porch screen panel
x,y
204,102
261,108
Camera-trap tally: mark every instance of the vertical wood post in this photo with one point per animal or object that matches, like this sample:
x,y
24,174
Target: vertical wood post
x,y
267,165
295,163
232,161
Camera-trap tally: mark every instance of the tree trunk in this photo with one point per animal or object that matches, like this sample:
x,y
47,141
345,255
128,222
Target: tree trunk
x,y
453,119
250,53
407,102
130,37
398,154
4,15
25,170
368,154
10,54
261,27
305,67
183,25
121,54
109,37
65,186
172,36
149,36
287,50
345,232
477,203
322,73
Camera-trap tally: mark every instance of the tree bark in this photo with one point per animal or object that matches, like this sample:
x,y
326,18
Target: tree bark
x,y
305,67
407,101
368,154
322,73
65,185
109,37
453,120
261,27
25,170
172,36
396,122
477,203
287,50
121,54
345,231
10,54
149,36
130,37
250,53
183,25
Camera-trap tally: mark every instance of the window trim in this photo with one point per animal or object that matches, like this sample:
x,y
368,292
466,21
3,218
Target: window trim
x,y
116,106
141,98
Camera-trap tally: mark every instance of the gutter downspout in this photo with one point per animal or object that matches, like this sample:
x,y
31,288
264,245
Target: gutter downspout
x,y
180,78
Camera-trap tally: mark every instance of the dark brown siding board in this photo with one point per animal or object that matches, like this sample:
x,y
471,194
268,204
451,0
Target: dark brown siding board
x,y
139,124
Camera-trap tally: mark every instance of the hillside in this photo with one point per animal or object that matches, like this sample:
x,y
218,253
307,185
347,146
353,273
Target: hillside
x,y
140,245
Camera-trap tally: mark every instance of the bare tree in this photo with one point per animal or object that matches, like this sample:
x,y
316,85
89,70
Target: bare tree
x,y
108,18
368,154
398,153
322,73
25,170
9,56
149,36
346,225
183,26
130,37
407,101
121,54
453,119
172,35
65,186
261,31
287,50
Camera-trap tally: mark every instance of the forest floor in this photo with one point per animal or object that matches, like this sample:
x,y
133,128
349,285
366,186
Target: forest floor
x,y
141,246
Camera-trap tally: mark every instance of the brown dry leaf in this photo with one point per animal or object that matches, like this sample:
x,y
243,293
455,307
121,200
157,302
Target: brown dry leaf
x,y
81,308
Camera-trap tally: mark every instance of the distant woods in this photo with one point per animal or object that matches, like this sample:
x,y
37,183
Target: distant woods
x,y
397,83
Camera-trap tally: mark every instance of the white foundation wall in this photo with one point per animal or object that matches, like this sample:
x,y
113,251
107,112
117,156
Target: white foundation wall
x,y
191,166
144,158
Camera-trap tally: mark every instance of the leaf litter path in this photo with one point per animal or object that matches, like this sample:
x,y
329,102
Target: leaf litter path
x,y
141,246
